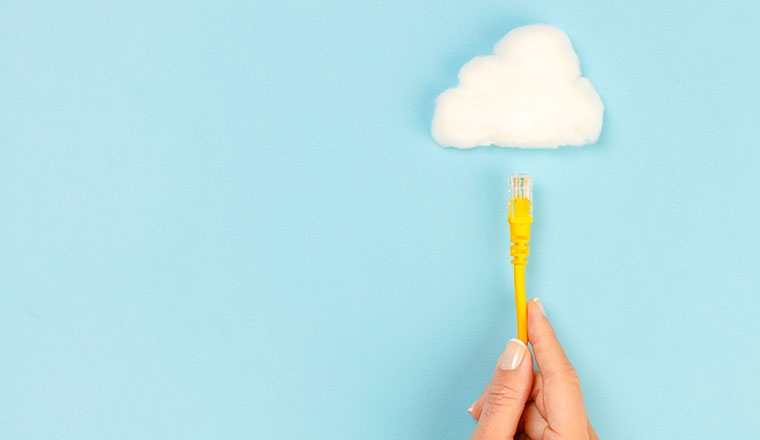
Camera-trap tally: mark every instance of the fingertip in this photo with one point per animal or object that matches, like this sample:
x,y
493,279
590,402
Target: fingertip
x,y
513,355
537,320
549,354
537,305
507,393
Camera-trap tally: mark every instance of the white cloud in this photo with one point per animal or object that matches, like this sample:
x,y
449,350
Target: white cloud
x,y
529,94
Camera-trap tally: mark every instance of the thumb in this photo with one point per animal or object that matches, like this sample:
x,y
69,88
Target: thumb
x,y
507,394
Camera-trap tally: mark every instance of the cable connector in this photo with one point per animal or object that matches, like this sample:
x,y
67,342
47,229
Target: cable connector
x,y
520,216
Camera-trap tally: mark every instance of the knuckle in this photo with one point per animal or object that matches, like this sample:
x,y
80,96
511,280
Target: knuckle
x,y
500,395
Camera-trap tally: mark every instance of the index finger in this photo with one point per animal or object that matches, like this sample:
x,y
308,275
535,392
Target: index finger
x,y
561,389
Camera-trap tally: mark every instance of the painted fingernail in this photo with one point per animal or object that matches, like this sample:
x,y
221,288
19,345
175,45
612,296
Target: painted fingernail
x,y
540,306
513,355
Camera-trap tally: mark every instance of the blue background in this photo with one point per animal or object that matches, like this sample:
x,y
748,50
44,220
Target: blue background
x,y
229,220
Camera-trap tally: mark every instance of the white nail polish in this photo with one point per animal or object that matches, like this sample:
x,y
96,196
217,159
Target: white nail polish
x,y
513,355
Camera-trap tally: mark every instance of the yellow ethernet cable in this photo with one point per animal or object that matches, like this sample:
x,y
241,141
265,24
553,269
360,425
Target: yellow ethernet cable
x,y
520,216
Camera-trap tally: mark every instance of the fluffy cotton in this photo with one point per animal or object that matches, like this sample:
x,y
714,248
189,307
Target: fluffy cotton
x,y
528,94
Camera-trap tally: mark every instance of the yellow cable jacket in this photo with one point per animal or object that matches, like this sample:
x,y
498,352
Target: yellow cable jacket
x,y
521,306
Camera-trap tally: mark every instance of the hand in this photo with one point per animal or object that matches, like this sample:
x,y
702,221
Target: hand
x,y
522,404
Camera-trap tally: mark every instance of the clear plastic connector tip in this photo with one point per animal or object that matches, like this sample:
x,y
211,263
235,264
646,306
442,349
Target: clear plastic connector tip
x,y
521,195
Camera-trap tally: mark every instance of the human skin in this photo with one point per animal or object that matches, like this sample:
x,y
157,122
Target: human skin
x,y
519,403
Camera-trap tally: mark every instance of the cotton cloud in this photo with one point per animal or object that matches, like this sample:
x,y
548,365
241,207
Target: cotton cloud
x,y
528,94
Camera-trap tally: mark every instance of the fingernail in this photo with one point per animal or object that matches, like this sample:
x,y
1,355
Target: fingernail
x,y
513,355
469,410
540,306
